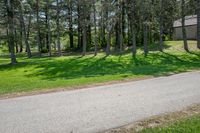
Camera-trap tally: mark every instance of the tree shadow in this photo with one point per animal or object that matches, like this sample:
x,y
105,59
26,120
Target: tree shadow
x,y
193,53
154,64
173,57
155,47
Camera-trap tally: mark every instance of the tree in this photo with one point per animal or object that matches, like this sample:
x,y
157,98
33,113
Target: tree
x,y
10,21
58,27
120,26
109,25
132,4
198,24
92,25
85,23
24,31
145,12
48,27
183,25
161,25
70,18
95,28
38,28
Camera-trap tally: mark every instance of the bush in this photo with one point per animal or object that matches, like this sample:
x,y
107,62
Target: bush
x,y
44,50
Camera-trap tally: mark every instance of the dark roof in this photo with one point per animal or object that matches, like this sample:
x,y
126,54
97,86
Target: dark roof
x,y
189,20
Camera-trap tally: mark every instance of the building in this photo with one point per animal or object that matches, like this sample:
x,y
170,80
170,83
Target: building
x,y
190,25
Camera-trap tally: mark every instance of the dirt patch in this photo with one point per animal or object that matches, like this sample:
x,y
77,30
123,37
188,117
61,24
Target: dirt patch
x,y
157,121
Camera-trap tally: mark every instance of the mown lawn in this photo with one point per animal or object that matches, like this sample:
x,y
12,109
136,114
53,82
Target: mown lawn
x,y
56,72
190,125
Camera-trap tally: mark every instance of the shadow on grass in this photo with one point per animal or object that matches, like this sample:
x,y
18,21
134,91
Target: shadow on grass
x,y
155,47
154,64
193,53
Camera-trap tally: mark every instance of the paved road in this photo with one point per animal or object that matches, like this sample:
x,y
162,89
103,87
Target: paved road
x,y
99,108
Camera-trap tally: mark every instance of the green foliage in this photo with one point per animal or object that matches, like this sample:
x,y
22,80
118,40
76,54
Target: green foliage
x,y
3,48
44,50
191,125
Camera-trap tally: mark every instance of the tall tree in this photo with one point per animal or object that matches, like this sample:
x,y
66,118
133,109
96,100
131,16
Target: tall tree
x,y
95,28
161,25
103,18
83,23
97,24
132,4
79,13
120,25
70,18
198,24
28,50
48,27
10,16
183,10
58,27
145,13
38,28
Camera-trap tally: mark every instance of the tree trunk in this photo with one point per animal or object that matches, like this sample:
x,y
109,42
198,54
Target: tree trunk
x,y
11,43
120,39
49,29
95,29
79,28
84,40
145,40
120,30
71,34
134,51
161,26
8,39
104,17
132,22
16,42
161,36
89,34
117,42
124,21
46,26
38,29
58,28
183,26
108,43
24,32
29,25
21,39
198,24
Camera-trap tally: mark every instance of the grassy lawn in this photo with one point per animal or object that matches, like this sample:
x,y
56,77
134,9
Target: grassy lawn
x,y
190,125
50,73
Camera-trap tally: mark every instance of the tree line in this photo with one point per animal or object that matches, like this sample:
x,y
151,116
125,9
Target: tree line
x,y
52,26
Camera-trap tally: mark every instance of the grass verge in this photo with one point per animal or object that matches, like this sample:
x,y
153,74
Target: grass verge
x,y
185,121
50,73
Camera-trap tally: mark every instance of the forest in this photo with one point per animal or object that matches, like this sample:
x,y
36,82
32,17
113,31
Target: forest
x,y
97,65
56,27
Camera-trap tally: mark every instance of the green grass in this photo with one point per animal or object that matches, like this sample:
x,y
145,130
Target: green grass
x,y
50,73
191,125
3,49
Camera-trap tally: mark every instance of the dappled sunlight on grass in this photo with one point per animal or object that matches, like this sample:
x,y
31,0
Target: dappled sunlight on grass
x,y
171,46
44,73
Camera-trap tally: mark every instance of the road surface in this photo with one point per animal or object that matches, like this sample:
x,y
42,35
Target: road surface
x,y
99,108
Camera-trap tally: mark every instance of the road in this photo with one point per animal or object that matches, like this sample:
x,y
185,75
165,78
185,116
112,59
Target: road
x,y
99,108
